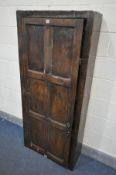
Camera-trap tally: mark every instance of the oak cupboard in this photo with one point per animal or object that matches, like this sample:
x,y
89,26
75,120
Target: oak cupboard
x,y
57,51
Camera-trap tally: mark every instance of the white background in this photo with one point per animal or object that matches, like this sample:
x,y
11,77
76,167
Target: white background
x,y
100,132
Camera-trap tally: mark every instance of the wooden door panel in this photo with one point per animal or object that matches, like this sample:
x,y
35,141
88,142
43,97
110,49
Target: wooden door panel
x,y
62,51
58,145
35,38
59,109
52,56
63,79
38,134
38,96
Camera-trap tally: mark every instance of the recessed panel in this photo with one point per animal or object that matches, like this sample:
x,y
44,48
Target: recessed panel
x,y
35,36
38,132
38,96
59,103
57,143
62,51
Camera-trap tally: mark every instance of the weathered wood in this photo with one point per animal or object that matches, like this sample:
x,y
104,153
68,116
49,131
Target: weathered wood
x,y
56,49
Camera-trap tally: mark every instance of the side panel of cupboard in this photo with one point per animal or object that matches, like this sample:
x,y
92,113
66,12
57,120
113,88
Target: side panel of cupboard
x,y
50,51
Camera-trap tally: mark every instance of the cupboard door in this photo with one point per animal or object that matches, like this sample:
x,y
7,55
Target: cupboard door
x,y
62,65
50,63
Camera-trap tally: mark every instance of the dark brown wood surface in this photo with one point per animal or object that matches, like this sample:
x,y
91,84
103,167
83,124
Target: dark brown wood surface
x,y
51,45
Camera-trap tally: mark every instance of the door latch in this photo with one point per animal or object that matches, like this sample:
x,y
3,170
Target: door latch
x,y
68,125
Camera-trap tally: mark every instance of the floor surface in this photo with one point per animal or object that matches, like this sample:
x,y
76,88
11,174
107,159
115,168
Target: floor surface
x,y
15,159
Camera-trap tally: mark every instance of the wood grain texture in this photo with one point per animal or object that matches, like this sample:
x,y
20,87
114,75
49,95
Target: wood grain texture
x,y
51,44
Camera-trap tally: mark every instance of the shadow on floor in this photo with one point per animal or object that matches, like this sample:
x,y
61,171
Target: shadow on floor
x,y
15,159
